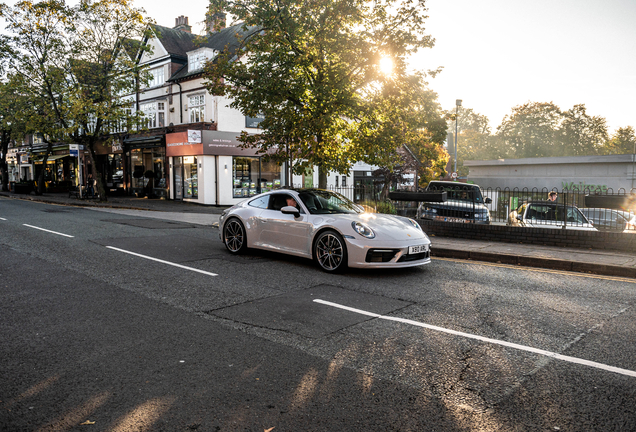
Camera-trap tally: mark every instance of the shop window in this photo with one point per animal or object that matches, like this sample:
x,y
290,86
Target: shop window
x,y
251,176
190,177
148,172
196,105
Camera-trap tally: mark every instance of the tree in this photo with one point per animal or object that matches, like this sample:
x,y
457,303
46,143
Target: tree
x,y
76,78
311,68
582,134
13,121
622,142
532,130
474,139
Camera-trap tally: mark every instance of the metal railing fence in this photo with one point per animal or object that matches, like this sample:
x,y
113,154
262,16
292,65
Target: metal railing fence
x,y
606,210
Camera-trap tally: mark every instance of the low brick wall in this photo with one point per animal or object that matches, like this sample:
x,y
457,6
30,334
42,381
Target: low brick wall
x,y
541,236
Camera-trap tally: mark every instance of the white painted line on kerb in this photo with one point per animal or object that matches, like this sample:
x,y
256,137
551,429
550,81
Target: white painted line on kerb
x,y
53,232
163,262
485,339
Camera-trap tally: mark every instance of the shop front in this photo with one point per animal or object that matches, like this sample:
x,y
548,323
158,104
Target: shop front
x,y
145,166
210,167
59,170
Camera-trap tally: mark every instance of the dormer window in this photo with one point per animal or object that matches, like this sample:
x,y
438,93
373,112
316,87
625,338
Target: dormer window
x,y
197,59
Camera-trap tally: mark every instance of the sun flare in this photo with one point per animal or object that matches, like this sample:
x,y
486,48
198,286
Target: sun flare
x,y
386,65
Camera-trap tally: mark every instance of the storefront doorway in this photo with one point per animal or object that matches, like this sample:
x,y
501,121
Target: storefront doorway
x,y
186,177
148,172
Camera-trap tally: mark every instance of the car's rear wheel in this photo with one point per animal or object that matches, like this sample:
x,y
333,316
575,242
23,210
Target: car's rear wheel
x,y
234,236
330,251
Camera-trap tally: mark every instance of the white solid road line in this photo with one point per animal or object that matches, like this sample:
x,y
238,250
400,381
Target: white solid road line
x,y
53,232
163,262
485,339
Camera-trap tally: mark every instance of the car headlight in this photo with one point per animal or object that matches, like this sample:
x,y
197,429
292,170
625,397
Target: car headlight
x,y
482,216
415,224
363,229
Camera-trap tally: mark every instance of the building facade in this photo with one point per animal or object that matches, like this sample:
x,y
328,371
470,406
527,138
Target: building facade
x,y
602,174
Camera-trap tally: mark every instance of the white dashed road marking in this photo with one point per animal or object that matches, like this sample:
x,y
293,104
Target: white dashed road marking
x,y
53,232
163,262
485,339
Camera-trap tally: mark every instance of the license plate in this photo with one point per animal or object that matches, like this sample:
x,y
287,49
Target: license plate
x,y
451,219
417,249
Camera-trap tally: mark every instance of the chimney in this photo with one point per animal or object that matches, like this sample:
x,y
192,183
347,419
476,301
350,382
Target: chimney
x,y
215,22
181,23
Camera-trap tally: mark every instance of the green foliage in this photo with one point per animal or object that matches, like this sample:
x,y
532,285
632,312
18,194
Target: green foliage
x,y
312,70
622,142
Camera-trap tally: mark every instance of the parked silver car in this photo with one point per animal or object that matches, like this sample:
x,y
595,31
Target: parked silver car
x,y
611,220
546,214
324,226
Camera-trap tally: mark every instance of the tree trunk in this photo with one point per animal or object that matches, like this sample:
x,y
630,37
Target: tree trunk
x,y
97,175
322,177
41,186
3,161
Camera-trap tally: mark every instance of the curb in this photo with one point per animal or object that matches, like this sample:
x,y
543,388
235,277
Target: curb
x,y
546,263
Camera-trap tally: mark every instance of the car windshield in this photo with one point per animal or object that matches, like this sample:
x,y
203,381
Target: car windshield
x,y
460,192
327,202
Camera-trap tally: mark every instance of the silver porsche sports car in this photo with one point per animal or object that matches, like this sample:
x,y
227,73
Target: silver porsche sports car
x,y
324,226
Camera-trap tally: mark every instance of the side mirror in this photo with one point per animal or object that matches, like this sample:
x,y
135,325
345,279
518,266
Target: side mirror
x,y
291,210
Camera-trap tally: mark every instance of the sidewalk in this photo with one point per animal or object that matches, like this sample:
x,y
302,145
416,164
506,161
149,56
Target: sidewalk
x,y
609,263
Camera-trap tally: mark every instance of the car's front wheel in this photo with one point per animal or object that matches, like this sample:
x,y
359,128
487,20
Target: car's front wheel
x,y
330,251
234,236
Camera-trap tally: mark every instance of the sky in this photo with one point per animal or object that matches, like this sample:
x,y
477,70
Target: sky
x,y
499,54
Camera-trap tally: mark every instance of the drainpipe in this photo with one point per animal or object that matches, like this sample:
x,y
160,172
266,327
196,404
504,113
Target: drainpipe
x,y
180,104
216,179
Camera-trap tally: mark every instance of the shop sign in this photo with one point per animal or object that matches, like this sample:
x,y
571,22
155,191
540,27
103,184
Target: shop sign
x,y
177,145
582,186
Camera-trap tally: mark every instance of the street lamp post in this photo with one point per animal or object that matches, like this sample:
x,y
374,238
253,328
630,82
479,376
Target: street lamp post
x,y
458,103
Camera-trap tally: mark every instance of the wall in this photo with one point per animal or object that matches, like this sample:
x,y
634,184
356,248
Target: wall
x,y
540,236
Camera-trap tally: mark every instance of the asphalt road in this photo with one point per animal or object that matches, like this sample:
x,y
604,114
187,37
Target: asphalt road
x,y
140,324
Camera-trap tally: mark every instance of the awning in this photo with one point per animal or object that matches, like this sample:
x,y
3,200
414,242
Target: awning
x,y
51,158
144,142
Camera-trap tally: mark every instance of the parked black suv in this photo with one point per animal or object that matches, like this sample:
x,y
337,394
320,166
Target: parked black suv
x,y
464,204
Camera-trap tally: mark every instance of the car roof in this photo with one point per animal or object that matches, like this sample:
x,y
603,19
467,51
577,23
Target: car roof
x,y
550,204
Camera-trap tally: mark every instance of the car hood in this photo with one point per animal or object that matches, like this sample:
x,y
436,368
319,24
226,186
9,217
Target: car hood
x,y
386,227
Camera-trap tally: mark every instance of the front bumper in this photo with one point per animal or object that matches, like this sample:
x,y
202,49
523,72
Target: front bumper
x,y
389,254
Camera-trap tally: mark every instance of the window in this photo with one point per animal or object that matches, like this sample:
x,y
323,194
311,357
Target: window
x,y
261,202
190,177
156,77
196,61
156,113
196,105
251,176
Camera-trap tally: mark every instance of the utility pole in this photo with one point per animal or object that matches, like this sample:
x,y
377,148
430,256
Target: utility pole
x,y
458,103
